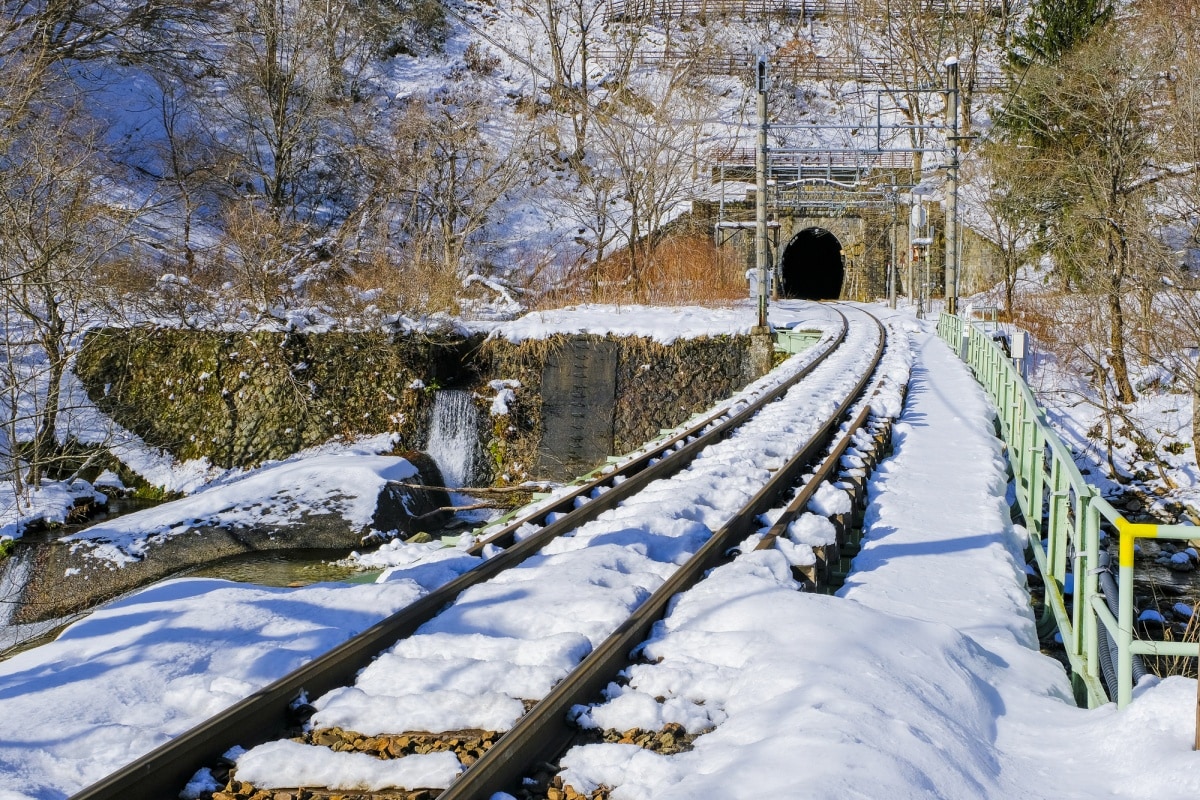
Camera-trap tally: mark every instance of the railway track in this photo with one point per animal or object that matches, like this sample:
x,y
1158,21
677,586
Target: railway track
x,y
636,535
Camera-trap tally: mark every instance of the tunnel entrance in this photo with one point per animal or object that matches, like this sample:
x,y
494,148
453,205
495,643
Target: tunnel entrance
x,y
811,267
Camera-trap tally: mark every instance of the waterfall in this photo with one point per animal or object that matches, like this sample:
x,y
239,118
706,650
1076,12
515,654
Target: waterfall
x,y
14,575
454,436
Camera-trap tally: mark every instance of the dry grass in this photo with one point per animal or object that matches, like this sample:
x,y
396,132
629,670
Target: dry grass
x,y
1186,666
684,268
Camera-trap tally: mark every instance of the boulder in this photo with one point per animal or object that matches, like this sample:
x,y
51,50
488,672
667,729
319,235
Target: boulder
x,y
56,579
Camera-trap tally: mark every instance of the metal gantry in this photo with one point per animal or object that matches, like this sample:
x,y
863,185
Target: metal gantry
x,y
838,179
629,10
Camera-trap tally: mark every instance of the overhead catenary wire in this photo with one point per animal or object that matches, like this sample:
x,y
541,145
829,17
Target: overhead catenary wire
x,y
740,124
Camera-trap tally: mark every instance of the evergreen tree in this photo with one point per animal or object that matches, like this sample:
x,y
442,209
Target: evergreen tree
x,y
1055,28
1077,145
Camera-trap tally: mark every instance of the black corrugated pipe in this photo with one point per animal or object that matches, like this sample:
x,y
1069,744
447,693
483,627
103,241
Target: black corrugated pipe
x,y
1107,667
1108,585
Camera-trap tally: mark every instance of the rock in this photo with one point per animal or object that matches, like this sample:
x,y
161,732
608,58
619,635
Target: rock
x,y
1180,562
64,578
409,510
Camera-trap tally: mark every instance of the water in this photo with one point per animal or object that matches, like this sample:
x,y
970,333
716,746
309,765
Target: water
x,y
117,506
454,436
295,567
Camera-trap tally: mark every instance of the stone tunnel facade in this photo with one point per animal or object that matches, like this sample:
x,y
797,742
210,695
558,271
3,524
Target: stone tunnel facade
x,y
820,256
845,257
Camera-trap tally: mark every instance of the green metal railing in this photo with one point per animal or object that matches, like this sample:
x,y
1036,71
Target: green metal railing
x,y
1065,517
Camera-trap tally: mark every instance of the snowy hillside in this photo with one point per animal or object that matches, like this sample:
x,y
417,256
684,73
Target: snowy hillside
x,y
396,148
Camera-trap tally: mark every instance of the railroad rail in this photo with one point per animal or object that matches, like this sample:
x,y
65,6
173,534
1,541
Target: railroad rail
x,y
544,732
270,712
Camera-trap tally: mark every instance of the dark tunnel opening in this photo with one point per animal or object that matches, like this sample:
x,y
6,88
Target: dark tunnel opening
x,y
811,267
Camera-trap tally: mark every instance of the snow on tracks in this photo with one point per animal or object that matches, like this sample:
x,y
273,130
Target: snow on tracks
x,y
535,621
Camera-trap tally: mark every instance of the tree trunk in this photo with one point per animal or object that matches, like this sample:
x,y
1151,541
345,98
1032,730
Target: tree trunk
x,y
1116,342
45,438
1196,414
1010,284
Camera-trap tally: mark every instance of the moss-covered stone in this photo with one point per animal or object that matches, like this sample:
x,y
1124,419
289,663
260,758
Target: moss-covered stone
x,y
239,399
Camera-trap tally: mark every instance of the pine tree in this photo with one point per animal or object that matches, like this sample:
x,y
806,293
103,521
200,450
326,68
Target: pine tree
x,y
1056,27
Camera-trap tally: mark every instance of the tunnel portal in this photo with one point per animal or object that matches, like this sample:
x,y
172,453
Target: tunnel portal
x,y
811,266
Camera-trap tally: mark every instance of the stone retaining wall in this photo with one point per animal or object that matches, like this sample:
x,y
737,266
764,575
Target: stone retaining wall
x,y
637,387
241,399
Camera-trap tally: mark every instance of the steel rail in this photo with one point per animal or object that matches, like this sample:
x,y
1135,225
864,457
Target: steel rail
x,y
822,473
663,460
544,732
267,713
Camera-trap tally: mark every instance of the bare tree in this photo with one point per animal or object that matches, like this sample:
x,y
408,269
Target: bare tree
x,y
648,147
994,194
573,33
189,164
1174,337
589,200
101,29
902,44
58,236
276,84
439,180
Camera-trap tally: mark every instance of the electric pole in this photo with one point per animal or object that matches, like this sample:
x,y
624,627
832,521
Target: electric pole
x,y
760,204
891,276
952,187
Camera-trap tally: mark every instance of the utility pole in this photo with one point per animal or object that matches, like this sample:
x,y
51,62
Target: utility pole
x,y
952,187
892,195
760,204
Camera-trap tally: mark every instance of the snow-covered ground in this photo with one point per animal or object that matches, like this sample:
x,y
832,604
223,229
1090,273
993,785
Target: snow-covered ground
x,y
198,478
1152,448
922,679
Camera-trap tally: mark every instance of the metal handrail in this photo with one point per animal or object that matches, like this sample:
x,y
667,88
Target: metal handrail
x,y
1065,517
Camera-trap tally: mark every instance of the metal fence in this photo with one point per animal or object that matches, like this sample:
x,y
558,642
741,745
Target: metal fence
x,y
794,67
1071,529
642,9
